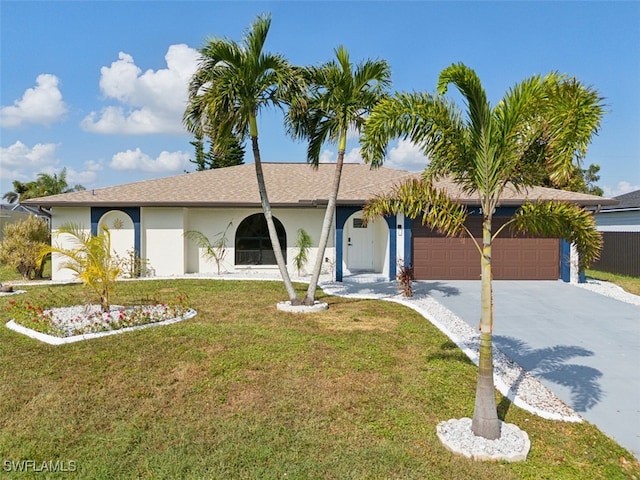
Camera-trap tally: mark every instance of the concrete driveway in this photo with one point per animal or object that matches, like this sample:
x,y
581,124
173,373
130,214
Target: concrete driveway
x,y
583,346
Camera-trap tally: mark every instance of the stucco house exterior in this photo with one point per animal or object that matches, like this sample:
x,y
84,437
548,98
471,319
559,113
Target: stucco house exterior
x,y
620,227
152,217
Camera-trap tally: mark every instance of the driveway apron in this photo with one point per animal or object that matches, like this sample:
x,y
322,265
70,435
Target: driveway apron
x,y
583,346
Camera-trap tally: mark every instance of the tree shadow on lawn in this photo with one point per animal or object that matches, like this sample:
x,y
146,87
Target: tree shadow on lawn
x,y
550,364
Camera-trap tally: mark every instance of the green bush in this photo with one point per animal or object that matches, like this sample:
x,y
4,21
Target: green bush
x,y
23,241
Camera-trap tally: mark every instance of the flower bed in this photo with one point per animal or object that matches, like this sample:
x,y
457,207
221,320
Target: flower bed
x,y
80,322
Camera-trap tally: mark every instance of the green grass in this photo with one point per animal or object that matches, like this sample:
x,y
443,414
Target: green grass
x,y
244,391
9,274
630,284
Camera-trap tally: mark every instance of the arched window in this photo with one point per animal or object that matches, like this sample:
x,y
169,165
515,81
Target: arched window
x,y
253,246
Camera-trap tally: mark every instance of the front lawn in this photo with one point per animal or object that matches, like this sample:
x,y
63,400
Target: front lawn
x,y
245,391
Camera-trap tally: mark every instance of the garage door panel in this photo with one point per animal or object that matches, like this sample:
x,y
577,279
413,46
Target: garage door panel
x,y
437,257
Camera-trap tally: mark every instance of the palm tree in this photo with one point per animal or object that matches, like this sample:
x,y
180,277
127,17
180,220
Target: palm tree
x,y
90,257
44,185
21,191
231,85
484,151
339,99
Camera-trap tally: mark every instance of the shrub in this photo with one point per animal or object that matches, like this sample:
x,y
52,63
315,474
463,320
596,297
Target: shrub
x,y
22,244
405,279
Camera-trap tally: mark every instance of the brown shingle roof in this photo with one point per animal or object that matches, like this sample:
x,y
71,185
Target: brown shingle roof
x,y
288,184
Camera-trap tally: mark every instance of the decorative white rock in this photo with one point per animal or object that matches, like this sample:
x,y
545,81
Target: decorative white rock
x,y
315,308
512,446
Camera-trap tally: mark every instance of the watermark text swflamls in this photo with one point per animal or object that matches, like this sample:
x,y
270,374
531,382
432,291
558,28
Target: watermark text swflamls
x,y
37,466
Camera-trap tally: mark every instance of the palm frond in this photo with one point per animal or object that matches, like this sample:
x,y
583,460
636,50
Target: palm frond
x,y
338,97
562,220
419,199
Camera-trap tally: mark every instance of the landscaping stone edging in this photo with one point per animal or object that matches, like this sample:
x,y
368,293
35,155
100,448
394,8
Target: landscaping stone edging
x,y
315,308
513,445
51,340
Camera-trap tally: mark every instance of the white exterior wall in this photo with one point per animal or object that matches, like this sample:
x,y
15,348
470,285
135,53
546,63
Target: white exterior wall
x,y
376,248
61,215
213,222
169,252
122,233
381,246
163,242
309,219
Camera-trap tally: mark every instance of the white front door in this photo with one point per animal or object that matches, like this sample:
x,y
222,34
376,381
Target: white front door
x,y
359,245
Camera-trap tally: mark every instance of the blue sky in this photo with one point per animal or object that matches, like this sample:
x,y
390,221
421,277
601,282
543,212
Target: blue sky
x,y
99,87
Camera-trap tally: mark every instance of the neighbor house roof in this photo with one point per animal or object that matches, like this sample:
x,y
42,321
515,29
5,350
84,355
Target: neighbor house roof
x,y
288,185
627,201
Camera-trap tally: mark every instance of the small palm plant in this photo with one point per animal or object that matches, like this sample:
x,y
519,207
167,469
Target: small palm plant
x,y
90,257
303,242
215,250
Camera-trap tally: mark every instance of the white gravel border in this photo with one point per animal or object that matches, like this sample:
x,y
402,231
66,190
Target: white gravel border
x,y
51,340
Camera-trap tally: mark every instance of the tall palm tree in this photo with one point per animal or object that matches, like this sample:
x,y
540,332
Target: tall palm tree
x,y
44,185
231,85
339,99
53,184
21,191
484,150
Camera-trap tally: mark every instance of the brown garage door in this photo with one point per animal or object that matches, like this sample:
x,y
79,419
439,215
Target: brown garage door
x,y
514,258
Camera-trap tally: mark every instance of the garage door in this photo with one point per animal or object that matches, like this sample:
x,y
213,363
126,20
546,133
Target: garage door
x,y
514,258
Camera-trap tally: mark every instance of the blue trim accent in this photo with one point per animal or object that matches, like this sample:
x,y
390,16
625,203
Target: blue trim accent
x,y
134,213
393,246
565,260
408,244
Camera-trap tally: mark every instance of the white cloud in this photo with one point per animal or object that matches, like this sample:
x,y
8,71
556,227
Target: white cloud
x,y
139,161
619,189
327,156
352,156
41,104
23,163
21,157
149,102
406,156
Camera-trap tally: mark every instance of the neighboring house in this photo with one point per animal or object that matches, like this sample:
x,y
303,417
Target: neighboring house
x,y
10,213
152,217
620,227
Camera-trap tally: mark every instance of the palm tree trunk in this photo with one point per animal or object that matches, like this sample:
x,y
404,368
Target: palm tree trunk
x,y
266,208
485,421
310,297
